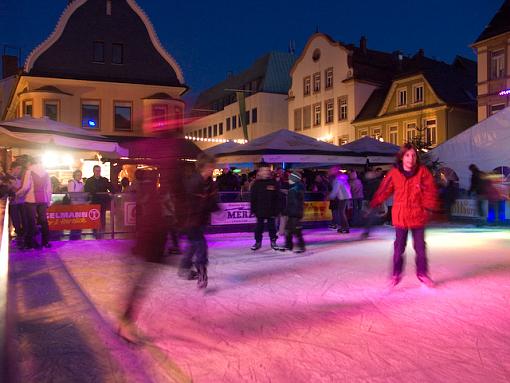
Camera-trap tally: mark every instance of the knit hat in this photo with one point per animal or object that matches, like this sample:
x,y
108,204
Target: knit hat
x,y
295,177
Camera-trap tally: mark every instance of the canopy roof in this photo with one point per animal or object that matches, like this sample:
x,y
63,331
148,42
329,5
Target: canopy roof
x,y
28,132
157,148
368,146
484,144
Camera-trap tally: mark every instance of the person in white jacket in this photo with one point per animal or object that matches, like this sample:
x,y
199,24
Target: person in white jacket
x,y
36,189
342,192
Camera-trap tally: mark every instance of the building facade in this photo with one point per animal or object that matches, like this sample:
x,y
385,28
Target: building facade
x,y
331,82
112,76
429,103
493,50
259,94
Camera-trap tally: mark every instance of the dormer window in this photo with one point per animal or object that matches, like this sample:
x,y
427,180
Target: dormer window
x,y
98,52
117,54
402,97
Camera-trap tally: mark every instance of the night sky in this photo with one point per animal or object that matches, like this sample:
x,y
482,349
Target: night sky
x,y
208,39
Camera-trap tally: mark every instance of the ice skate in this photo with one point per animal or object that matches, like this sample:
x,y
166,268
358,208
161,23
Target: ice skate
x,y
202,277
394,281
274,246
426,281
256,246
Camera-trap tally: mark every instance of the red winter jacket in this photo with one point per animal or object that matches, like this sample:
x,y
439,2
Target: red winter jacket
x,y
414,197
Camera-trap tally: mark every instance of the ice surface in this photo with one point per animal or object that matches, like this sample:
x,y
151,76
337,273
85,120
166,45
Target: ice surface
x,y
322,316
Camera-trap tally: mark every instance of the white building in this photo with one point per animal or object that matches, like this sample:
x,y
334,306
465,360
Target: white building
x,y
331,81
265,86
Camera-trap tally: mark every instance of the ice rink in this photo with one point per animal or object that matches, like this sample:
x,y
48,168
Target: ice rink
x,y
326,315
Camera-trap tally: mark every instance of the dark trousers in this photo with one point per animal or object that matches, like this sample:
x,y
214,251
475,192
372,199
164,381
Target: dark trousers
x,y
196,253
342,207
36,213
294,228
259,228
357,204
419,248
18,219
99,233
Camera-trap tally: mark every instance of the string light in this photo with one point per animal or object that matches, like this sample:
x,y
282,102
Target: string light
x,y
216,140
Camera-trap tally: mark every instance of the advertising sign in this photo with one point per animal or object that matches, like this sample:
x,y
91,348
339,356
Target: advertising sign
x,y
233,213
467,208
129,213
317,211
74,217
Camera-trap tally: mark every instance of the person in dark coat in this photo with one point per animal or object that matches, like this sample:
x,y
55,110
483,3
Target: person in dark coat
x,y
265,205
98,187
202,200
294,211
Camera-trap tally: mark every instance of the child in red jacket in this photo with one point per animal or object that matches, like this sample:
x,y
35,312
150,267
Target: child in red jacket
x,y
414,197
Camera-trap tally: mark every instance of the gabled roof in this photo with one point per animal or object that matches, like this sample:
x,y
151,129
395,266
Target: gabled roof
x,y
454,84
499,24
369,146
272,69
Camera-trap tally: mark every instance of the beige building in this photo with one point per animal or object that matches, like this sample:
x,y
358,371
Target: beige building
x,y
427,104
99,78
331,82
216,115
493,50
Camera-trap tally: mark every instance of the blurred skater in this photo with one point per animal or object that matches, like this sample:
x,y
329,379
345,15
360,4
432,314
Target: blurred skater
x,y
294,211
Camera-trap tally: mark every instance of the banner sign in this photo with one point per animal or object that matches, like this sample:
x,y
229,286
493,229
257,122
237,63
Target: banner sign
x,y
317,211
467,208
233,213
74,217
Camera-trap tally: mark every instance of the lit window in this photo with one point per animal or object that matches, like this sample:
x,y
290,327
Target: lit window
x,y
393,134
411,132
363,133
122,112
90,114
430,132
27,108
343,140
376,133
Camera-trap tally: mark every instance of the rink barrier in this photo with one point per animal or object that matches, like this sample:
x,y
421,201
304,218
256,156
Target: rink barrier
x,y
6,371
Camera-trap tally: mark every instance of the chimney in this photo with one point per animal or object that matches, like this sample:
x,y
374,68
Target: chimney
x,y
421,53
363,44
9,65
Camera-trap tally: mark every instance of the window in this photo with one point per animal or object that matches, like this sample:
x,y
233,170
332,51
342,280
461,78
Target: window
x,y
317,82
98,52
402,97
496,108
234,122
393,134
307,117
306,86
27,108
117,53
200,133
90,114
329,78
254,116
215,130
329,111
220,128
209,131
411,132
363,133
430,132
228,124
297,119
51,109
342,108
417,93
376,133
247,117
204,132
316,114
343,140
239,122
497,64
122,116
159,116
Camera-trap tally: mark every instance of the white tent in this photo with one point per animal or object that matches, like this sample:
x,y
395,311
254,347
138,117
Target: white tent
x,y
486,144
34,133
